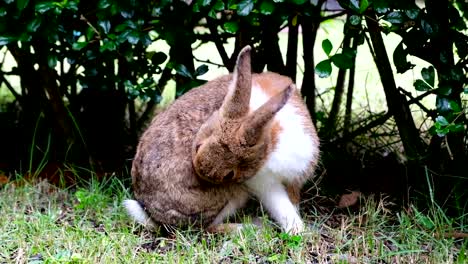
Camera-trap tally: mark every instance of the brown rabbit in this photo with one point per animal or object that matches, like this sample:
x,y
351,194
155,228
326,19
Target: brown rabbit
x,y
238,135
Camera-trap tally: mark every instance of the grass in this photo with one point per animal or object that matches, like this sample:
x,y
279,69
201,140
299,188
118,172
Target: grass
x,y
41,223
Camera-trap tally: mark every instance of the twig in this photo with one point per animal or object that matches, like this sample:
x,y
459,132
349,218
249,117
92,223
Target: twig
x,y
417,102
209,62
8,85
379,121
333,16
219,46
83,18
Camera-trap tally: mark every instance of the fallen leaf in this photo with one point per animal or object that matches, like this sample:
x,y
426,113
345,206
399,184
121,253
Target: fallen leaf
x,y
349,199
3,179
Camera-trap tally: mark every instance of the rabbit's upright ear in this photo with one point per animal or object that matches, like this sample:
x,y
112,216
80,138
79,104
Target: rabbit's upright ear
x,y
252,128
236,102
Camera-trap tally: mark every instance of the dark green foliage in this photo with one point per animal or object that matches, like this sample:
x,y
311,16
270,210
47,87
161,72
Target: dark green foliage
x,y
432,31
89,84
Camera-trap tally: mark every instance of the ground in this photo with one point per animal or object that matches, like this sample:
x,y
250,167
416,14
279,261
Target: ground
x,y
41,223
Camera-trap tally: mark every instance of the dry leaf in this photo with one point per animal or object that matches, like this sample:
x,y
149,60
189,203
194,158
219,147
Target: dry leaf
x,y
3,179
349,199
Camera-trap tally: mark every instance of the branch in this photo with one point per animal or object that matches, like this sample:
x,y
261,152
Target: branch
x,y
417,102
209,62
397,104
333,16
291,53
165,77
8,85
377,122
219,45
83,18
349,94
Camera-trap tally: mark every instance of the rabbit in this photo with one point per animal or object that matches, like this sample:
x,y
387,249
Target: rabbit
x,y
237,136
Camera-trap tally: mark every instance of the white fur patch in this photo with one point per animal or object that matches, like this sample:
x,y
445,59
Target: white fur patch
x,y
295,148
135,211
274,197
288,161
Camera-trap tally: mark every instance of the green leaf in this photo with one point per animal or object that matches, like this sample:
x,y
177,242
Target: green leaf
x,y
456,128
6,40
465,90
355,5
105,25
381,6
457,74
231,26
363,5
34,25
454,106
441,132
324,68
158,58
432,130
442,121
21,4
44,7
355,20
421,86
267,7
399,59
52,60
107,45
342,61
103,4
395,17
327,46
428,75
428,27
245,7
443,105
219,6
444,90
202,69
205,2
461,44
71,5
133,37
79,45
412,13
299,2
294,21
182,70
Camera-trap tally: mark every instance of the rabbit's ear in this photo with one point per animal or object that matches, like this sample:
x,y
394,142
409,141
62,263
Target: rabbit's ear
x,y
252,128
236,102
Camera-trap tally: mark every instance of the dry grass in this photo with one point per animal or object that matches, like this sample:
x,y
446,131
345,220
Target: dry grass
x,y
41,223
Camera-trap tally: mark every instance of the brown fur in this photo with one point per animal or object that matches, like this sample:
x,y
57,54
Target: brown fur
x,y
194,156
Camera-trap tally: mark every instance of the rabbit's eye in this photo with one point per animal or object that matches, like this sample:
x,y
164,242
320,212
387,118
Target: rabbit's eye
x,y
229,176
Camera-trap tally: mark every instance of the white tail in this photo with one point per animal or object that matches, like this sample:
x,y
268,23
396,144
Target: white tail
x,y
136,211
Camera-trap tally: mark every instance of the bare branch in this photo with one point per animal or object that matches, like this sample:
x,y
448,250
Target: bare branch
x,y
333,16
417,102
219,45
8,85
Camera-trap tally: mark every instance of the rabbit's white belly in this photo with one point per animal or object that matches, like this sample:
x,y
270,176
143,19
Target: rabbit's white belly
x,y
289,162
295,148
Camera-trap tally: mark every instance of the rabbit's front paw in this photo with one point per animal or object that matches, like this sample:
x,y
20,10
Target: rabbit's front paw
x,y
294,226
